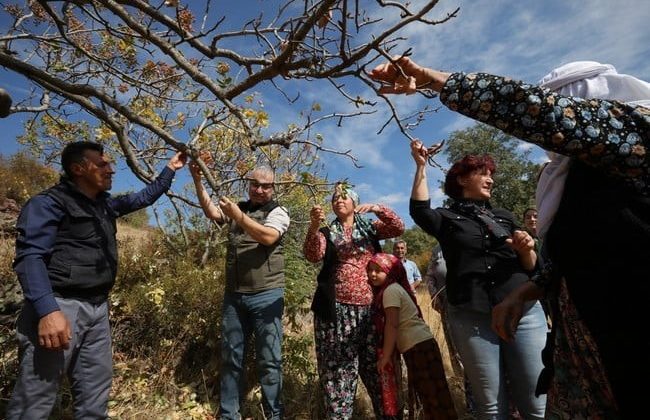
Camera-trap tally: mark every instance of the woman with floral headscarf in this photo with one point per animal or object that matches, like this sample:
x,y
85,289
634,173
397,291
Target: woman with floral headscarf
x,y
399,323
594,219
344,334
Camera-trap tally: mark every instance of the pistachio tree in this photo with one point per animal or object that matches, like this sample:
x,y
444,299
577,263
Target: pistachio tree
x,y
144,77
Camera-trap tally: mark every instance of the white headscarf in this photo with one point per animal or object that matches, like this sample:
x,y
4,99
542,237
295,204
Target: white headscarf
x,y
583,79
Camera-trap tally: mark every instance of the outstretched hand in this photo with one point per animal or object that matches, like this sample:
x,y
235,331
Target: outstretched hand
x,y
177,161
403,75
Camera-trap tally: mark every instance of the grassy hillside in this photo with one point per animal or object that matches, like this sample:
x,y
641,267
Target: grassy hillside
x,y
165,313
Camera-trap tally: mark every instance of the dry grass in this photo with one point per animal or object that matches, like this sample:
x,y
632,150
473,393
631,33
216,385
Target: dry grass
x,y
453,370
126,233
178,379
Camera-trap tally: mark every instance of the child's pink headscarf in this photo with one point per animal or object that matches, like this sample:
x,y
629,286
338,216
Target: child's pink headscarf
x,y
395,273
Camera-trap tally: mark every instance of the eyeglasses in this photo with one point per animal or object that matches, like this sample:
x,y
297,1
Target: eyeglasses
x,y
264,185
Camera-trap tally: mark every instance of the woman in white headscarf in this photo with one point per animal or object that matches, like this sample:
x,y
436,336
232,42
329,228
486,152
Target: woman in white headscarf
x,y
594,209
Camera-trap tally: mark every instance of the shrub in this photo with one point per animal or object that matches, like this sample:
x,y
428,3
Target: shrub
x,y
23,176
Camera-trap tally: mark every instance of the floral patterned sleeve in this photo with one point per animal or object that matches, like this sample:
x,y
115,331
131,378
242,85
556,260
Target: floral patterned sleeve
x,y
389,225
314,246
606,134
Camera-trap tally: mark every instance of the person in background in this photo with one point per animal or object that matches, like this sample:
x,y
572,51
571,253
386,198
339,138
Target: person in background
x,y
66,262
530,224
401,327
412,270
594,219
344,334
253,302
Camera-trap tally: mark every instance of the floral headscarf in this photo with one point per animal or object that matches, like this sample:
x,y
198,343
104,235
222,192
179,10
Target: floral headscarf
x,y
362,228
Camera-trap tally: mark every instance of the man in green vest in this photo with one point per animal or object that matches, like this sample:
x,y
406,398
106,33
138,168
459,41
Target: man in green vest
x,y
254,298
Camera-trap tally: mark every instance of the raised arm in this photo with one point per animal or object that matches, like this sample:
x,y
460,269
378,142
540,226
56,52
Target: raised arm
x,y
127,203
419,208
211,210
388,223
420,189
602,133
315,244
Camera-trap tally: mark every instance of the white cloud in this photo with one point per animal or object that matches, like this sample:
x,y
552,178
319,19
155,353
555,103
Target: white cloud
x,y
524,40
393,198
524,147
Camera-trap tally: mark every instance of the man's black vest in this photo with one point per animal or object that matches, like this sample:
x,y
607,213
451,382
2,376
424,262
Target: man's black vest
x,y
250,266
83,262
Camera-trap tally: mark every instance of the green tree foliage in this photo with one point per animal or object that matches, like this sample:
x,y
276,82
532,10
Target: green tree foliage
x,y
418,241
23,176
419,245
516,174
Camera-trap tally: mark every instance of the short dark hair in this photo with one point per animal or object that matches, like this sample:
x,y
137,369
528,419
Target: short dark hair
x,y
74,153
527,210
465,166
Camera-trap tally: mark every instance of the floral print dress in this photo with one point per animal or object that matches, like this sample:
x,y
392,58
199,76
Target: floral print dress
x,y
346,348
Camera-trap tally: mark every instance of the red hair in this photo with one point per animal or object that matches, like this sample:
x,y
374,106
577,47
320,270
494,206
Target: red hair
x,y
466,166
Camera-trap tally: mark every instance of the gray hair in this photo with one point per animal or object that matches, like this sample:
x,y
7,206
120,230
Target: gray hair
x,y
263,170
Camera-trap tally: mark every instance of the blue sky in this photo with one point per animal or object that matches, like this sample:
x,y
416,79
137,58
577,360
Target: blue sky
x,y
520,39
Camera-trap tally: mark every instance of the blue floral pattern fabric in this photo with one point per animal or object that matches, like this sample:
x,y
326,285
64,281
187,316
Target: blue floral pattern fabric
x,y
606,134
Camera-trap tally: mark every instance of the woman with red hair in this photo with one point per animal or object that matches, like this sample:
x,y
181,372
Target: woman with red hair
x,y
487,256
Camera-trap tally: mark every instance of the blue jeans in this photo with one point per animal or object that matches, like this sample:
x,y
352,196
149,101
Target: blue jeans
x,y
245,314
87,363
488,360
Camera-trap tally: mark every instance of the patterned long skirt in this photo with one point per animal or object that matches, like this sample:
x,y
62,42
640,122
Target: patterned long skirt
x,y
345,350
580,388
426,375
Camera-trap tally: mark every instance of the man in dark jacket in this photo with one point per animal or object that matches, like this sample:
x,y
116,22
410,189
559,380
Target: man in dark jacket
x,y
66,262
